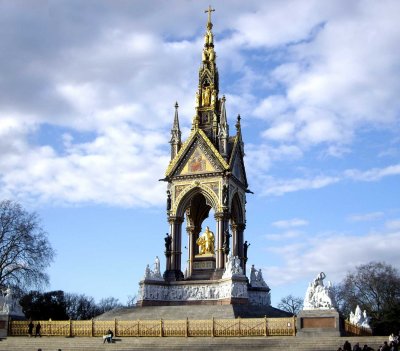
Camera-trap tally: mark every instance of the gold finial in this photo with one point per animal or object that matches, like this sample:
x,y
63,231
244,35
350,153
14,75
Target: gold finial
x,y
209,10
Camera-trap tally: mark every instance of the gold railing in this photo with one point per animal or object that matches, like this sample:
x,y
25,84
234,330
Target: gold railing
x,y
355,330
163,327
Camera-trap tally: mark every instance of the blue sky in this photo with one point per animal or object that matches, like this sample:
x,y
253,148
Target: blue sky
x,y
87,102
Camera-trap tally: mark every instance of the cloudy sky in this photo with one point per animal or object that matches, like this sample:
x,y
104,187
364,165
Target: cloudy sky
x,y
87,101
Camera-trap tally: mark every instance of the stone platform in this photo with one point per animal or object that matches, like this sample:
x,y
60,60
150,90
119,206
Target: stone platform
x,y
193,312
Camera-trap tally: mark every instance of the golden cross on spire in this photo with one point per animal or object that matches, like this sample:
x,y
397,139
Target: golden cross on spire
x,y
209,10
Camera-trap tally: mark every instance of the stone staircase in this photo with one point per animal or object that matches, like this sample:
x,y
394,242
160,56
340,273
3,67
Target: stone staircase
x,y
192,343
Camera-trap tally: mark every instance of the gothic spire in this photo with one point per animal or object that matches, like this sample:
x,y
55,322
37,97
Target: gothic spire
x,y
223,127
207,102
175,142
239,132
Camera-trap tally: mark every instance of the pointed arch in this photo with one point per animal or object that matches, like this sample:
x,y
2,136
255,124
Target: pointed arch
x,y
237,212
183,201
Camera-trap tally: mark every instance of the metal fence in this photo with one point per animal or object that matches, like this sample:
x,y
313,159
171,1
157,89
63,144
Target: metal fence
x,y
163,327
355,330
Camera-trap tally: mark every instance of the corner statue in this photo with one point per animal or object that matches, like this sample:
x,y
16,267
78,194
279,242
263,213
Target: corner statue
x,y
206,242
319,296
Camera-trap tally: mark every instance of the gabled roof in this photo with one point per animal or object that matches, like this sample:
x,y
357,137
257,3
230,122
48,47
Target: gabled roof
x,y
180,159
236,163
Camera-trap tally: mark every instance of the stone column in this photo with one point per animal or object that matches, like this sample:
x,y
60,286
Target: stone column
x,y
190,231
222,225
235,249
176,246
167,260
239,235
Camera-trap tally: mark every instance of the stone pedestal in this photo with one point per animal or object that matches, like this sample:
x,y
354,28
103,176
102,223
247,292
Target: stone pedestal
x,y
203,267
5,317
318,323
3,325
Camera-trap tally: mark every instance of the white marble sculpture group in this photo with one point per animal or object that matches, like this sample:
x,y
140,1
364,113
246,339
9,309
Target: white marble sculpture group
x,y
256,278
186,292
360,318
8,304
153,274
319,296
232,267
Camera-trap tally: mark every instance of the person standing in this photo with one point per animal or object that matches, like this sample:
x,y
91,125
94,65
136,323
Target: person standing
x,y
37,330
30,328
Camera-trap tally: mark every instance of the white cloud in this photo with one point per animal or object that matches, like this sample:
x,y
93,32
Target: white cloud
x,y
334,254
289,234
273,19
271,107
290,223
261,157
373,174
281,131
115,75
100,171
366,217
278,187
333,81
118,86
393,224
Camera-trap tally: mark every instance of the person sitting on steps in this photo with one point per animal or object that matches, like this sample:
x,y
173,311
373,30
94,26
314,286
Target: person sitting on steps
x,y
108,337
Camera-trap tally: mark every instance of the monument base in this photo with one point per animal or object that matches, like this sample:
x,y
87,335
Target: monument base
x,y
319,322
3,325
4,321
232,290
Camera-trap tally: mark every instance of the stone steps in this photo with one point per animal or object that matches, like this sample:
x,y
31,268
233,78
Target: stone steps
x,y
192,343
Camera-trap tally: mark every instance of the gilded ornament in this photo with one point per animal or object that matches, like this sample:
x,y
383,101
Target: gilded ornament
x,y
206,242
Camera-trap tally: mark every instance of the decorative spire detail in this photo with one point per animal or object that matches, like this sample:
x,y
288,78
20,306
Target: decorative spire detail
x,y
223,119
175,141
223,133
239,132
207,101
209,10
175,127
237,125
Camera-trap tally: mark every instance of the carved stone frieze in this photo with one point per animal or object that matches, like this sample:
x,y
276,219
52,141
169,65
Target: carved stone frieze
x,y
223,289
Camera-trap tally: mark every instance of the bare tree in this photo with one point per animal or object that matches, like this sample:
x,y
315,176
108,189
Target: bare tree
x,y
25,251
81,307
291,304
131,302
374,286
108,304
